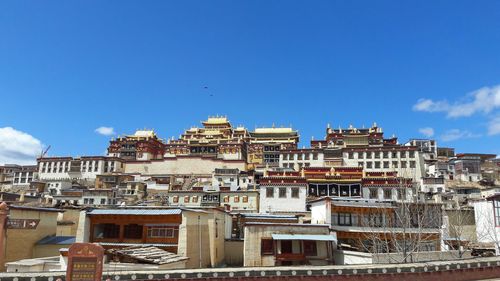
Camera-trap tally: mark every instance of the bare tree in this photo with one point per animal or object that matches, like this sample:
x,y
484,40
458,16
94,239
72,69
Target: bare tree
x,y
486,228
404,226
461,228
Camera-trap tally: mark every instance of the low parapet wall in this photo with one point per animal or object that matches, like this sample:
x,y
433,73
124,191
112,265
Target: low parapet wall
x,y
421,256
459,270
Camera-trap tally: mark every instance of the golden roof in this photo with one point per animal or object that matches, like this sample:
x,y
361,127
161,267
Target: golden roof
x,y
216,120
273,130
143,134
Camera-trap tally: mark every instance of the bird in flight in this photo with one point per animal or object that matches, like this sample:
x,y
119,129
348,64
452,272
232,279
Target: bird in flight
x,y
206,88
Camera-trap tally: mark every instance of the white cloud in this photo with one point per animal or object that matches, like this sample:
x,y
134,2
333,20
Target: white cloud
x,y
427,131
18,147
429,105
456,134
483,100
494,126
105,131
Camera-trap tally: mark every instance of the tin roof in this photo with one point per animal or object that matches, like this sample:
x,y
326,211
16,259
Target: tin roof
x,y
39,209
57,240
135,212
311,237
266,216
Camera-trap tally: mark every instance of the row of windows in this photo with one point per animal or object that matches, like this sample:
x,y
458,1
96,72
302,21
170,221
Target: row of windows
x,y
23,180
292,165
23,174
350,219
301,156
271,148
162,231
134,231
381,154
387,193
226,199
282,192
91,201
267,247
271,156
387,164
335,190
63,167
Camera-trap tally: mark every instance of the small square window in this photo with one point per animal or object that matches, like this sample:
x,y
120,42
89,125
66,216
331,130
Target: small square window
x,y
269,192
282,192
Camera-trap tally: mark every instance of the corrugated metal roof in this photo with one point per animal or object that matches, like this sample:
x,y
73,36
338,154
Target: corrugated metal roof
x,y
40,209
57,240
135,212
266,216
312,237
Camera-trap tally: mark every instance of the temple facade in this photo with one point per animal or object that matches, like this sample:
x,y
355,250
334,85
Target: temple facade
x,y
216,139
265,145
142,145
368,148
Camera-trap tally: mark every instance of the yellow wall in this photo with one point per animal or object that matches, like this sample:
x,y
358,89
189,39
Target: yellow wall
x,y
43,251
209,233
68,215
233,250
20,242
192,235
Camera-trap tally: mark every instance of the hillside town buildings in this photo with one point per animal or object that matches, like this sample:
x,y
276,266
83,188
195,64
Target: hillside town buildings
x,y
224,195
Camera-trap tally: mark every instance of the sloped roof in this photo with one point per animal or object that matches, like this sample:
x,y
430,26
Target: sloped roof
x,y
57,240
137,212
148,254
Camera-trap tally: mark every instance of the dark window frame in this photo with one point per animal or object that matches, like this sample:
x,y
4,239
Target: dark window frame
x,y
346,219
266,246
310,248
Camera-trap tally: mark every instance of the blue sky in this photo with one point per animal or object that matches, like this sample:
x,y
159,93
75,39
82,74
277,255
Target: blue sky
x,y
70,67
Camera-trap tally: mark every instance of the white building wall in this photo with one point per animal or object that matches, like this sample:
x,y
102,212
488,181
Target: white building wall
x,y
181,165
381,196
304,160
285,204
321,212
225,180
60,170
414,173
486,230
251,206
